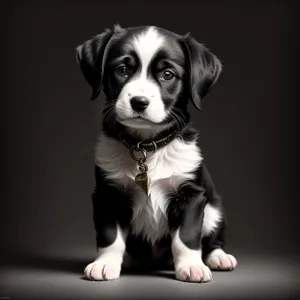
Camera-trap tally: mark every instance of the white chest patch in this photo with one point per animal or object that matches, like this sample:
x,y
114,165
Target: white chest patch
x,y
167,168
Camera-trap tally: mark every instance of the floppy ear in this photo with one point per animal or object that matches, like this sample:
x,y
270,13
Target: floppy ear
x,y
204,69
90,57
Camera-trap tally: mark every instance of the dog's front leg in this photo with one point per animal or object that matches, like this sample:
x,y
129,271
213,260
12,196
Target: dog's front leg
x,y
186,211
111,217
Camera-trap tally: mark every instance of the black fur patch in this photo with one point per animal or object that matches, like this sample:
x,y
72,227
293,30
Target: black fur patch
x,y
110,206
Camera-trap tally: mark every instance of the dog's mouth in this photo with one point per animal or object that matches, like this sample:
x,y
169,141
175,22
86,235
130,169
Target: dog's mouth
x,y
140,122
139,119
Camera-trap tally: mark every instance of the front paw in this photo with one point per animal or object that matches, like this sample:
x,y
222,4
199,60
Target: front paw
x,y
102,269
194,273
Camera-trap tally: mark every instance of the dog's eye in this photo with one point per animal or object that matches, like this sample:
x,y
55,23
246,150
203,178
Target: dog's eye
x,y
167,75
122,71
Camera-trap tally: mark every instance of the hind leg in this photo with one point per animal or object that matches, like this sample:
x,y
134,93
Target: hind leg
x,y
214,255
214,238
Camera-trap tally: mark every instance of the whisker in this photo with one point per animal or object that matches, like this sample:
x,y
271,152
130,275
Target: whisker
x,y
177,119
109,115
179,115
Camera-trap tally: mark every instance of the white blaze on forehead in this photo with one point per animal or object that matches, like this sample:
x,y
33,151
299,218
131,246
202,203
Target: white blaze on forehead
x,y
146,45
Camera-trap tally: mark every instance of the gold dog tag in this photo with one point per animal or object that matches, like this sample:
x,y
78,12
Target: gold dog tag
x,y
143,180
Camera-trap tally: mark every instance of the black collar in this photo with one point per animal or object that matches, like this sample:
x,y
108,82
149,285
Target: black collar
x,y
160,141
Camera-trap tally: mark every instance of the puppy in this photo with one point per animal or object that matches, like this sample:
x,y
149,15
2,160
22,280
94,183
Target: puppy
x,y
154,203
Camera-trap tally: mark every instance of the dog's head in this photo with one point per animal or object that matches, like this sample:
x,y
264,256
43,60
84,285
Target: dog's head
x,y
148,74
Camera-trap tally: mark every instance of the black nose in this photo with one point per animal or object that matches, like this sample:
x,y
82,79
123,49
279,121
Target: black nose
x,y
139,103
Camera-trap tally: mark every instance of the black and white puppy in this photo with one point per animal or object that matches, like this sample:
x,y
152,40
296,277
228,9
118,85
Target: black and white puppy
x,y
148,75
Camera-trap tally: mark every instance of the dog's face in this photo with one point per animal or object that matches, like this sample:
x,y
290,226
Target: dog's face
x,y
148,74
145,73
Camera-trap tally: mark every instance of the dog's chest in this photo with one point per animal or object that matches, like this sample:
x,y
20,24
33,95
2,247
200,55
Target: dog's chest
x,y
167,169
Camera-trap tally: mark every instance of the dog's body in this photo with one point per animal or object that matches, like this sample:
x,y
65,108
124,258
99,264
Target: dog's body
x,y
148,75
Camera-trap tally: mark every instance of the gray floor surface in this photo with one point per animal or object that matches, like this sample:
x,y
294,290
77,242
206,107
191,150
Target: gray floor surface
x,y
56,277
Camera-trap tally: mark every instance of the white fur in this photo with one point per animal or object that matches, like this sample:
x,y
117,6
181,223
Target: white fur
x,y
146,44
167,168
188,262
212,216
108,261
149,215
220,260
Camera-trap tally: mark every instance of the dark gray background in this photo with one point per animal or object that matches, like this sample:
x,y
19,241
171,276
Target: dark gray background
x,y
247,124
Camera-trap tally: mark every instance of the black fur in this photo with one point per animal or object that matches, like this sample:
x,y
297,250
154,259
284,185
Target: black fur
x,y
90,59
204,69
108,213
